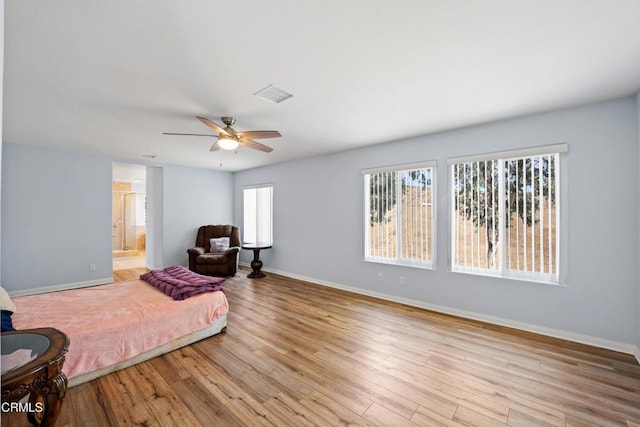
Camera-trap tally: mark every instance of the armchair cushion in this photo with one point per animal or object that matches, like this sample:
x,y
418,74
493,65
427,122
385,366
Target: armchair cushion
x,y
222,257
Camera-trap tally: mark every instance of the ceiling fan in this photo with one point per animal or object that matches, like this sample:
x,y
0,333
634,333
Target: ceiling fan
x,y
229,138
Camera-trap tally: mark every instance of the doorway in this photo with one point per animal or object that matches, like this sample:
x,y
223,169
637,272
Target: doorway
x,y
128,216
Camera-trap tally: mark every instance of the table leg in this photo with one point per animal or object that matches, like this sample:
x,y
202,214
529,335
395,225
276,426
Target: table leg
x,y
48,395
256,266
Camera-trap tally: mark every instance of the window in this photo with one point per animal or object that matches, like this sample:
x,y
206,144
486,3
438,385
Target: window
x,y
505,214
399,214
258,214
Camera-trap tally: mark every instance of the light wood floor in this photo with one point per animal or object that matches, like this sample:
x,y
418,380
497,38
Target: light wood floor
x,y
121,263
300,354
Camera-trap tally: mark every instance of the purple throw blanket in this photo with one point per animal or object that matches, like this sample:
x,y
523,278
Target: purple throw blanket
x,y
180,283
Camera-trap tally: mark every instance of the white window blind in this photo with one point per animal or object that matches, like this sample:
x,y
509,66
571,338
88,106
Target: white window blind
x,y
505,215
399,214
258,214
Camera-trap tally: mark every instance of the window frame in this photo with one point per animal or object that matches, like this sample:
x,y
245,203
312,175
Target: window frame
x,y
399,260
561,236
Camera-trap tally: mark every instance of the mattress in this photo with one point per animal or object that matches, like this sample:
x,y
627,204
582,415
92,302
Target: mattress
x,y
115,325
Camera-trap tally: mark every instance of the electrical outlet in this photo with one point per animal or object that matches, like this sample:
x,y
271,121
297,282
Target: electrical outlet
x,y
402,280
92,267
380,276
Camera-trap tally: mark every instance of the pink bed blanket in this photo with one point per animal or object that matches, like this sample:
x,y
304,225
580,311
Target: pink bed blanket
x,y
110,323
180,283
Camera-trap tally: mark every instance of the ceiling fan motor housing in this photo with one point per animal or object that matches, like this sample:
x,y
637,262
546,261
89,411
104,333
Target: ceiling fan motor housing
x,y
229,121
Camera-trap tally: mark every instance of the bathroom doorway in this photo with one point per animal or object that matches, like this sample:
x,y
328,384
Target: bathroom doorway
x,y
128,216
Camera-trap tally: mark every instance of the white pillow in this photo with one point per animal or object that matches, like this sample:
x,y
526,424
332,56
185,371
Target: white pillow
x,y
5,301
219,244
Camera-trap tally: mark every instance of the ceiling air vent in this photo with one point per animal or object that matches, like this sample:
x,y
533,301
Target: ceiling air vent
x,y
273,94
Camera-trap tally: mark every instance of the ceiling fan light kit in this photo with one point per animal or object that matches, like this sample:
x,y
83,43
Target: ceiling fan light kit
x,y
227,142
229,139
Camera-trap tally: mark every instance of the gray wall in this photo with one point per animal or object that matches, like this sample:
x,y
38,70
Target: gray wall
x,y
638,122
155,218
318,225
56,216
191,198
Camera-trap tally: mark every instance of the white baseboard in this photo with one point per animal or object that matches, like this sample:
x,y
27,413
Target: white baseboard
x,y
542,330
61,287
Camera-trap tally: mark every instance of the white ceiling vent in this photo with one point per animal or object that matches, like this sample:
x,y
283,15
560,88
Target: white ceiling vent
x,y
273,94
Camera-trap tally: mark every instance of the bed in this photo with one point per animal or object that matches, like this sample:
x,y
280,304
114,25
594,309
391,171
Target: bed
x,y
120,324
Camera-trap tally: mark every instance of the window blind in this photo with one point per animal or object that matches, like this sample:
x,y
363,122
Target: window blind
x,y
505,215
258,214
399,214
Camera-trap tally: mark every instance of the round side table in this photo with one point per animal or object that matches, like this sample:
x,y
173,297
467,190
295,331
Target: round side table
x,y
256,264
32,362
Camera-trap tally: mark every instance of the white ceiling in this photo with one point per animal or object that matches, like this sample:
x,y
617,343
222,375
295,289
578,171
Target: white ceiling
x,y
109,76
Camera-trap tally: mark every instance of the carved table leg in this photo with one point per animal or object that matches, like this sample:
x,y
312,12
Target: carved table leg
x,y
46,399
256,266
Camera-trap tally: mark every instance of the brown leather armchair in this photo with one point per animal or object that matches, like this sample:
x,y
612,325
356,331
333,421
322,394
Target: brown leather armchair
x,y
218,263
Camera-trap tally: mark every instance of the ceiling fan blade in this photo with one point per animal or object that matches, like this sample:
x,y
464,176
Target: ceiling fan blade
x,y
246,142
188,134
215,147
212,125
258,134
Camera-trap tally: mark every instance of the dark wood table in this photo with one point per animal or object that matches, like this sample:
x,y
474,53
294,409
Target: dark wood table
x,y
256,264
32,362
